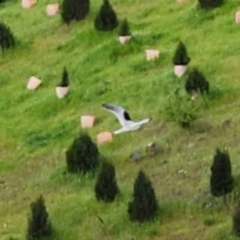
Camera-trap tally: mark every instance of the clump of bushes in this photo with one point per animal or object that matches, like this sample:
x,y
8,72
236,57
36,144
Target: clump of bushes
x,y
74,10
196,82
83,155
106,19
106,187
181,56
39,225
144,205
221,180
180,109
208,4
6,37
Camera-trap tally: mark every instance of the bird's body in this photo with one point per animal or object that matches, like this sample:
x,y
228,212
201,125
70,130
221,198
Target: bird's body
x,y
124,118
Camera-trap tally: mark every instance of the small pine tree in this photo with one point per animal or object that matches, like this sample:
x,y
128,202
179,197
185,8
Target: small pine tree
x,y
106,187
39,225
124,28
144,205
196,82
83,155
208,4
181,57
106,19
65,79
74,10
236,220
6,37
221,180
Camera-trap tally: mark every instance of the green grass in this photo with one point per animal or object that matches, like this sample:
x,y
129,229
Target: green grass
x,y
36,128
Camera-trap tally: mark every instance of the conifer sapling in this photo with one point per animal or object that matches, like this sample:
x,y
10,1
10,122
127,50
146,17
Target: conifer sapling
x,y
181,57
65,79
39,224
83,155
106,187
124,28
106,19
221,180
144,205
6,37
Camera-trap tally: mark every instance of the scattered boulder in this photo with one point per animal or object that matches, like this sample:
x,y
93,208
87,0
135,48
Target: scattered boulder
x,y
179,70
33,83
104,137
28,3
152,54
152,149
136,155
87,121
52,9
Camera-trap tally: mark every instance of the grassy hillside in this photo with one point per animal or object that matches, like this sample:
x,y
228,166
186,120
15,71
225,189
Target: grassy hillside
x,y
36,128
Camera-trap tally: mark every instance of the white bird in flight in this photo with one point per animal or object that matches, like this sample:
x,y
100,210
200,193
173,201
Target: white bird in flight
x,y
124,118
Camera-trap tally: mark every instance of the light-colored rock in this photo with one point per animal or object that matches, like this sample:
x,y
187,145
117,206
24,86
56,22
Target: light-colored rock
x,y
61,92
52,9
237,17
152,54
33,83
182,1
124,39
104,137
28,3
87,121
179,70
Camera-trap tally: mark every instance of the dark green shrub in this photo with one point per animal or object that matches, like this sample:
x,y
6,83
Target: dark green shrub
x,y
65,79
207,4
124,28
6,37
181,57
236,220
144,205
106,19
74,10
221,180
196,82
106,187
83,155
39,225
2,1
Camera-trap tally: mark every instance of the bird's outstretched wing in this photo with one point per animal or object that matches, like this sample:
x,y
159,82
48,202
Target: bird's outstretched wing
x,y
120,112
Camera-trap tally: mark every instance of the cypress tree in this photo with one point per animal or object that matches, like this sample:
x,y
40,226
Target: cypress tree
x,y
196,82
83,155
106,19
236,220
39,225
124,28
208,4
74,10
65,79
106,185
221,180
6,37
181,56
144,205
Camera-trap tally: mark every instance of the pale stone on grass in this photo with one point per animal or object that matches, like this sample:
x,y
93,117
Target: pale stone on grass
x,y
87,121
52,9
28,3
152,54
33,83
179,70
104,137
61,91
124,39
152,149
237,17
